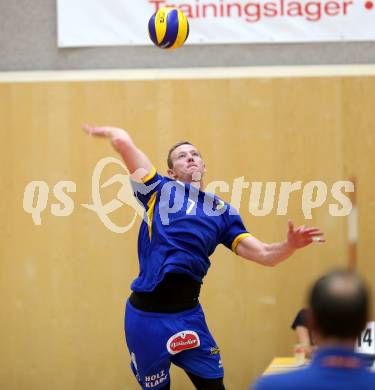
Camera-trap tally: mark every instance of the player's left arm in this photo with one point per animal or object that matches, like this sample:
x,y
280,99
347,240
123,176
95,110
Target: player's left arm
x,y
253,249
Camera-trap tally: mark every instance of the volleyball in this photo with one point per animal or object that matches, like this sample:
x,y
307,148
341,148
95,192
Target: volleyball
x,y
168,28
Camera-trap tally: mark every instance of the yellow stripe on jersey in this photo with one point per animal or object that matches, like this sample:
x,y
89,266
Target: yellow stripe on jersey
x,y
182,30
149,176
237,240
150,212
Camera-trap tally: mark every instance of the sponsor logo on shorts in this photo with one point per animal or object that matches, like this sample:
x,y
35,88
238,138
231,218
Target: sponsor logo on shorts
x,y
181,341
155,379
214,350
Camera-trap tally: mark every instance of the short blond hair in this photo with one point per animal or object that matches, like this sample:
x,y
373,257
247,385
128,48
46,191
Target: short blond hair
x,y
175,146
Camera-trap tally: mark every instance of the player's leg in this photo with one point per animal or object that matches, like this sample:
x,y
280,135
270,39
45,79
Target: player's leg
x,y
206,384
150,360
202,363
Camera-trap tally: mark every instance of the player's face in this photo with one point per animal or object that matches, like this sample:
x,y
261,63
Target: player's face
x,y
187,164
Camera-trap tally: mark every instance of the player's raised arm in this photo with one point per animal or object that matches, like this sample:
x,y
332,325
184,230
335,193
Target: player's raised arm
x,y
135,160
253,249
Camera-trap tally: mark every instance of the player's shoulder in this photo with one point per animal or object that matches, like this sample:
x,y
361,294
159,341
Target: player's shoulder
x,y
154,178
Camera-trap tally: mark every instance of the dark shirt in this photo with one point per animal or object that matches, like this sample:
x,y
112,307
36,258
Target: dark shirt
x,y
301,320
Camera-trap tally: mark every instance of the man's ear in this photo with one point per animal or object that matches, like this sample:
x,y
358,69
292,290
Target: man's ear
x,y
171,174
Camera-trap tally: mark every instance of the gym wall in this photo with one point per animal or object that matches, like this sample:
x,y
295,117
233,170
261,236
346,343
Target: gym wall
x,y
63,283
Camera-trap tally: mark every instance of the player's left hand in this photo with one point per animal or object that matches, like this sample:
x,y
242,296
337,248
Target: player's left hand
x,y
303,236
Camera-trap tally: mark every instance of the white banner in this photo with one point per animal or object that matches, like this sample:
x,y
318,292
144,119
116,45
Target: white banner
x,y
124,22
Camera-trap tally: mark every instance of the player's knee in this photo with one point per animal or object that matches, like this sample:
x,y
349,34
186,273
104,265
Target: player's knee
x,y
211,384
213,387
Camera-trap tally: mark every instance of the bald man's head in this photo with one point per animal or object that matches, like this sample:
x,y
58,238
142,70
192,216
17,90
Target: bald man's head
x,y
339,303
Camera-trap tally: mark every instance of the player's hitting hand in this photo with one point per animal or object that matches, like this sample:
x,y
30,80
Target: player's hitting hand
x,y
303,236
118,137
135,160
103,131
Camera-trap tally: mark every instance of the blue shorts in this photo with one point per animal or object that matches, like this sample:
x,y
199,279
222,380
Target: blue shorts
x,y
155,340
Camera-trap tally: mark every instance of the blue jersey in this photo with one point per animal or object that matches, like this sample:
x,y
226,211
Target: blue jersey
x,y
331,368
182,229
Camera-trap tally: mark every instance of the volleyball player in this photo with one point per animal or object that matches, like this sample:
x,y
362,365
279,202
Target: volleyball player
x,y
164,322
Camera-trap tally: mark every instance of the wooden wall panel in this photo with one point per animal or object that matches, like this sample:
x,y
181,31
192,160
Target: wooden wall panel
x,y
359,142
64,283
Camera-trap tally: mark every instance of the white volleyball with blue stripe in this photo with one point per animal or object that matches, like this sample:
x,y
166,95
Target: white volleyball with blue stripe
x,y
168,28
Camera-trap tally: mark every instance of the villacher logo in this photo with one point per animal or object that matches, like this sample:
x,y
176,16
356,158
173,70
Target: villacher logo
x,y
181,341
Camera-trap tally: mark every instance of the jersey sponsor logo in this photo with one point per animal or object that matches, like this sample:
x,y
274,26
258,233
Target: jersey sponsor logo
x,y
182,341
218,204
